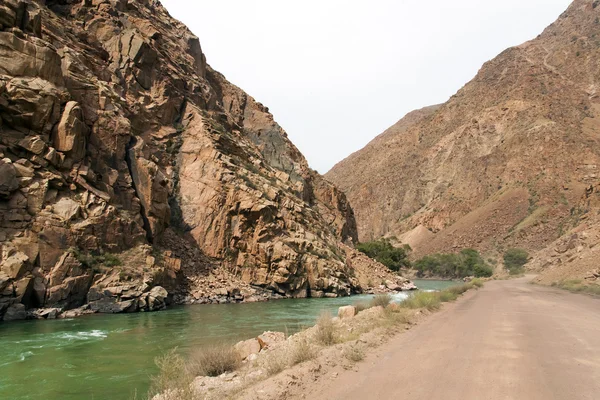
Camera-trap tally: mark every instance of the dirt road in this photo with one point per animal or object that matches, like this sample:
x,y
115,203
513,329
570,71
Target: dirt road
x,y
510,340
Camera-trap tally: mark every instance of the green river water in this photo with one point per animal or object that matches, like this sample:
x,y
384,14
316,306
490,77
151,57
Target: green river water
x,y
110,357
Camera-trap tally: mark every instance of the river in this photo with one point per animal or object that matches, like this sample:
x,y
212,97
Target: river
x,y
102,357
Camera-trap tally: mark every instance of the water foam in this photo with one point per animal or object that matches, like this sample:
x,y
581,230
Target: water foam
x,y
399,297
25,355
95,334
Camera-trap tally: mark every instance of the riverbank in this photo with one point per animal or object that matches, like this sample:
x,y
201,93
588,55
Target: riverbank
x,y
56,353
276,366
155,292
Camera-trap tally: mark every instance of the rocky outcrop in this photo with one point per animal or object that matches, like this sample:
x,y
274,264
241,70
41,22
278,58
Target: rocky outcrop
x,y
132,174
572,257
506,162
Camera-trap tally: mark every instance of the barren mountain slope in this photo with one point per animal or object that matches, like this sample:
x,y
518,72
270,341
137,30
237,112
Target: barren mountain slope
x,y
511,159
127,162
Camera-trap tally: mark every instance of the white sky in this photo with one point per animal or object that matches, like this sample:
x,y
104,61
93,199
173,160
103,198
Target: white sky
x,y
336,73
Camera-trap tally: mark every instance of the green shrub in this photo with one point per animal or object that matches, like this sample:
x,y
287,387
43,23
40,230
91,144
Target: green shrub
x,y
466,263
92,260
428,300
447,296
432,300
514,260
383,251
460,289
110,260
477,283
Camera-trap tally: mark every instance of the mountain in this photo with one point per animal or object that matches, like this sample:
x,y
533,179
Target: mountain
x,y
133,174
511,160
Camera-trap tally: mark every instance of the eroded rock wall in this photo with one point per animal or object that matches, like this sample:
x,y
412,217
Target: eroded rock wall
x,y
506,162
127,163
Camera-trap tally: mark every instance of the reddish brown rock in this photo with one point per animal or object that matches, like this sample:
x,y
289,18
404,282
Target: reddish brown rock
x,y
507,162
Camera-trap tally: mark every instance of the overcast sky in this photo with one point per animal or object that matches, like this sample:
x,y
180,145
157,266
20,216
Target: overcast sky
x,y
336,73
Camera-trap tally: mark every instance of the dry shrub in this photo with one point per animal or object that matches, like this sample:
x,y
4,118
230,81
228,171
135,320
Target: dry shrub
x,y
354,353
173,381
381,300
326,331
214,361
301,351
361,306
396,315
274,362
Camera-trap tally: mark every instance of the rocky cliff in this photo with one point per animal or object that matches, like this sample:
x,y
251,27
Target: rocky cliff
x,y
511,160
128,165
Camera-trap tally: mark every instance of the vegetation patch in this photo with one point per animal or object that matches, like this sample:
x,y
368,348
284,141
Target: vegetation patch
x,y
302,351
578,286
429,300
173,382
214,361
326,333
93,260
433,300
466,263
532,219
514,260
383,251
382,300
354,353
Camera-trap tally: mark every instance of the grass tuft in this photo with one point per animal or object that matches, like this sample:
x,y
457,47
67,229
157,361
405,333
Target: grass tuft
x,y
428,300
173,381
274,363
382,300
578,286
433,300
447,296
361,306
301,351
214,361
354,353
326,333
477,282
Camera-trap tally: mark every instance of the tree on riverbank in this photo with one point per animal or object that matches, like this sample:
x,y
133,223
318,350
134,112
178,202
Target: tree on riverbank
x,y
466,263
514,260
383,251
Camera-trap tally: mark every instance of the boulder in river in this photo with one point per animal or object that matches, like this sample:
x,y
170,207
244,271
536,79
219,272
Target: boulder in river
x,y
15,312
157,298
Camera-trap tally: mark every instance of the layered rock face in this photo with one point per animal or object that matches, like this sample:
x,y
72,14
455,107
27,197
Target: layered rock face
x,y
128,163
511,160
